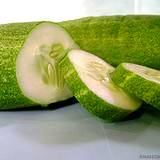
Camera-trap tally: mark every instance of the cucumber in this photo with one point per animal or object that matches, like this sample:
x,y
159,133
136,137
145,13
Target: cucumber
x,y
118,39
29,54
140,81
88,78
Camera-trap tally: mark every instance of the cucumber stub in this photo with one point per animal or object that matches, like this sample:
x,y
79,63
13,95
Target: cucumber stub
x,y
141,81
29,55
88,78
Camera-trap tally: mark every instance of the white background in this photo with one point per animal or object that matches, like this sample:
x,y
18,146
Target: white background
x,y
58,10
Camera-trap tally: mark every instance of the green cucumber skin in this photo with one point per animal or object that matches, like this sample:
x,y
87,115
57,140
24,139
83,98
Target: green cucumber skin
x,y
134,84
118,39
87,98
12,38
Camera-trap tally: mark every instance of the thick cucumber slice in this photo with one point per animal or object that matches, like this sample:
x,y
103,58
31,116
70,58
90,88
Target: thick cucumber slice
x,y
29,54
141,81
118,39
88,78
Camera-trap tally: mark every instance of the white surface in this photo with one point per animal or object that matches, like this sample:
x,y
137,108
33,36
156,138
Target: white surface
x,y
71,133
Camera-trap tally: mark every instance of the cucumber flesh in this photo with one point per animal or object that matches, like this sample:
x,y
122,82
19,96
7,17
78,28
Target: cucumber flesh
x,y
143,71
141,81
94,88
36,66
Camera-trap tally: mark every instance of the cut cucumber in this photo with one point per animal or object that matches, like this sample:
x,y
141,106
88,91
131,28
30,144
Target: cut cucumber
x,y
118,39
141,81
88,78
29,54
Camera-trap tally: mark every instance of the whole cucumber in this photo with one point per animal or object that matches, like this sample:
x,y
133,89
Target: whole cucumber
x,y
118,39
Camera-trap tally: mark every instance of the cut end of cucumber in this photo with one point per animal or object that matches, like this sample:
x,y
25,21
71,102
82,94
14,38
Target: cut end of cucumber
x,y
141,81
94,72
37,64
145,72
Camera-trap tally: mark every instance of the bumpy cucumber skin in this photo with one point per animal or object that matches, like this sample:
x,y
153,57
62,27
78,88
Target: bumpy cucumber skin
x,y
87,98
118,39
12,38
136,85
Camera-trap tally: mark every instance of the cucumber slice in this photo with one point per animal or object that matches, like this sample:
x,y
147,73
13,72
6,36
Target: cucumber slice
x,y
88,78
118,39
141,81
29,55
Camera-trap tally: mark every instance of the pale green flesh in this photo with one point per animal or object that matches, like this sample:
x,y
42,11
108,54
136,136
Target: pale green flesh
x,y
155,74
38,76
46,63
100,73
94,72
145,72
